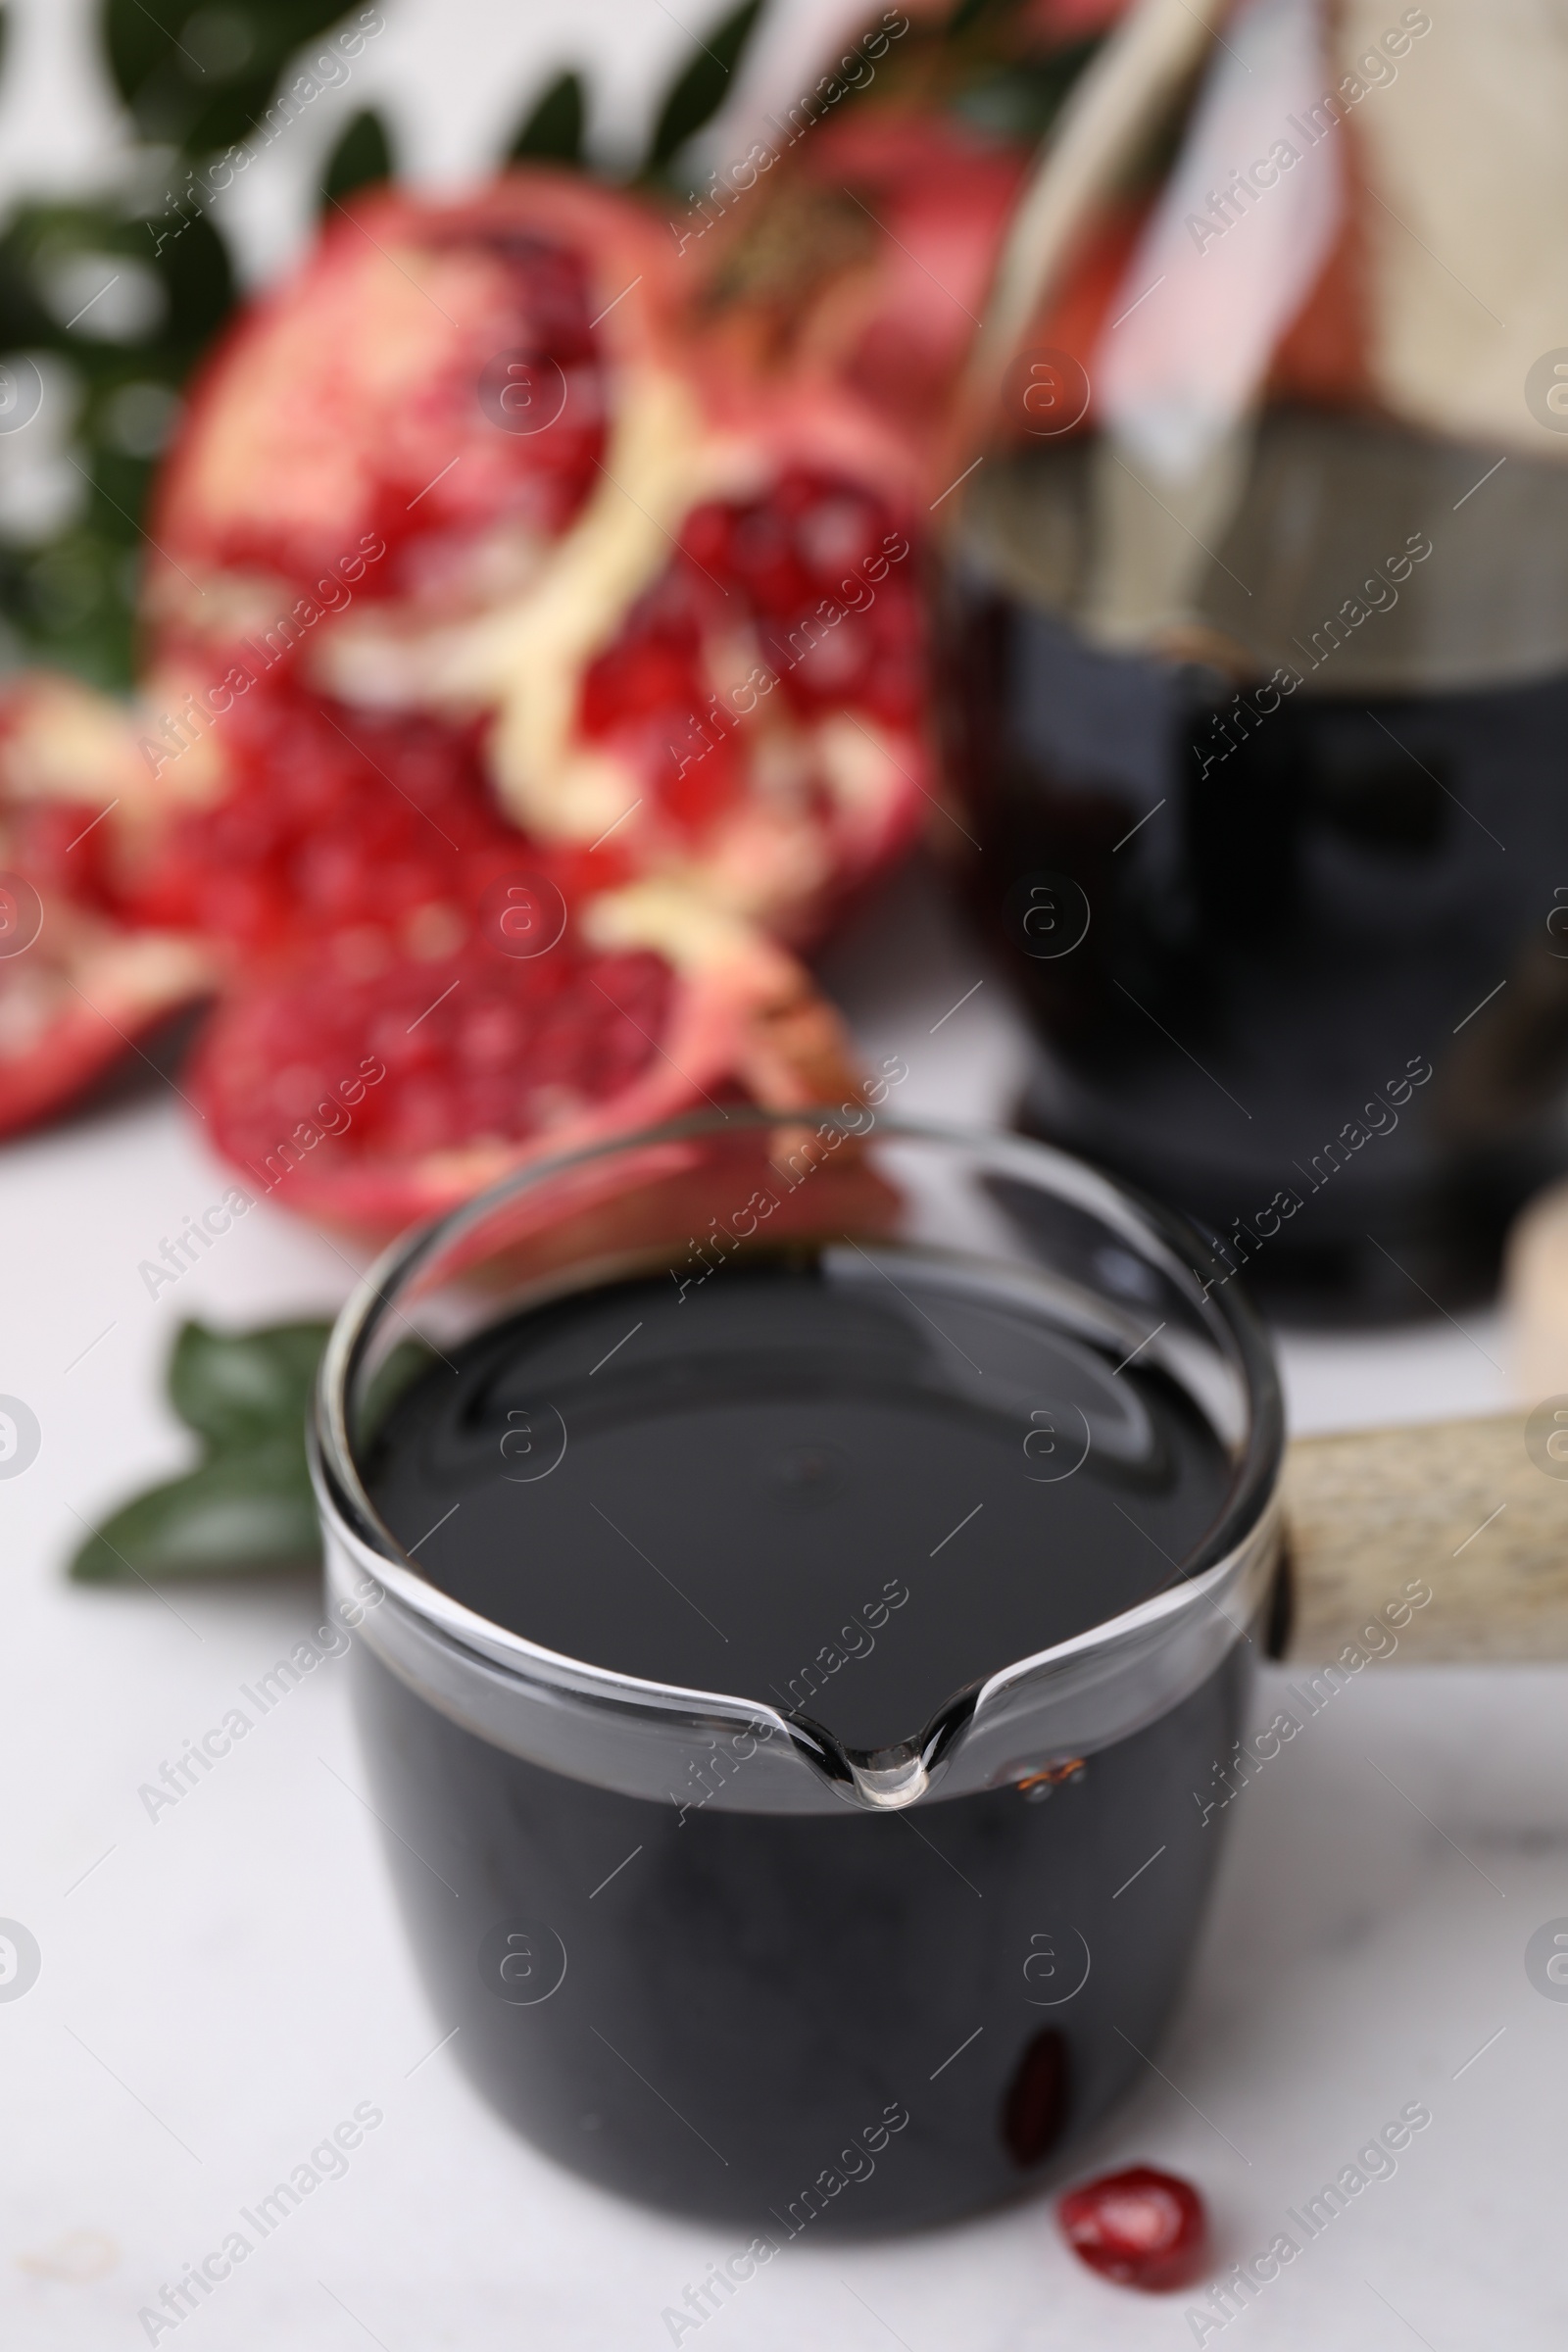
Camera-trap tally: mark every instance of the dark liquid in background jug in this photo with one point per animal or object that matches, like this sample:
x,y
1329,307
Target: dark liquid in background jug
x,y
1351,830
853,1491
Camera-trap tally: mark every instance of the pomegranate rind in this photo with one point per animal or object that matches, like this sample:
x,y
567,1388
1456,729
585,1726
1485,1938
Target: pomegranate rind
x,y
304,440
346,403
868,266
78,989
742,1024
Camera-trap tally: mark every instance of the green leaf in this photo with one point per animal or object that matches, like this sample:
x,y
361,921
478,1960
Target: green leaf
x,y
199,280
553,132
701,88
249,1506
236,1388
1021,99
197,75
361,158
970,13
70,601
243,1512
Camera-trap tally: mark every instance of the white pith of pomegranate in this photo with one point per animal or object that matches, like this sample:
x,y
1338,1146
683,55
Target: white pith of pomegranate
x,y
351,403
77,988
681,620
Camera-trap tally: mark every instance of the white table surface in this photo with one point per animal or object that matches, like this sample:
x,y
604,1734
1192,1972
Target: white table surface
x,y
221,1987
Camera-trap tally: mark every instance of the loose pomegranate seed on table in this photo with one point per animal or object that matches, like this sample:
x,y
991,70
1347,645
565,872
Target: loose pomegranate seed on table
x,y
1141,2228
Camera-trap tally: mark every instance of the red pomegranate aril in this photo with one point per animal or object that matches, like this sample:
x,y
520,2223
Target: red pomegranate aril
x,y
711,783
1141,2228
368,1093
831,634
672,699
467,1044
835,537
336,821
707,536
651,675
764,557
511,374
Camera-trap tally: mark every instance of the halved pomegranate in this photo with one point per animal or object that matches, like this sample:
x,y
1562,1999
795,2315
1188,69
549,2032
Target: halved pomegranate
x,y
322,820
677,625
755,727
866,263
370,1098
436,381
464,568
78,989
83,998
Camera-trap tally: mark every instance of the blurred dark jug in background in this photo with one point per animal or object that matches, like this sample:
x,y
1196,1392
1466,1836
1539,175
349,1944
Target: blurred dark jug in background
x,y
1253,630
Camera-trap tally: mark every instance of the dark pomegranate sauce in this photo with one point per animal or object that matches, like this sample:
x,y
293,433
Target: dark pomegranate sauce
x,y
851,1490
1276,866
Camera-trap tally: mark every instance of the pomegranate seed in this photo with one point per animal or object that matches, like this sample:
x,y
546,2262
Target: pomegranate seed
x,y
336,821
1141,2228
474,1046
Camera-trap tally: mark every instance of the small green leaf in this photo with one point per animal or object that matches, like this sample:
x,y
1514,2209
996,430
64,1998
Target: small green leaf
x,y
237,1388
249,1506
361,158
553,132
970,13
194,262
199,76
69,600
701,87
242,1513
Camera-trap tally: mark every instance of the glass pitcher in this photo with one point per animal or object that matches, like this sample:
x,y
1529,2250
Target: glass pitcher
x,y
1254,630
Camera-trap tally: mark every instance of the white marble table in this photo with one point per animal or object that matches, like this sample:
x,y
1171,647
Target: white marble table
x,y
221,1987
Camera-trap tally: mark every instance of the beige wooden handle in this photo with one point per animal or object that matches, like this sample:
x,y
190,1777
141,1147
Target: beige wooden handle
x,y
1457,1508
